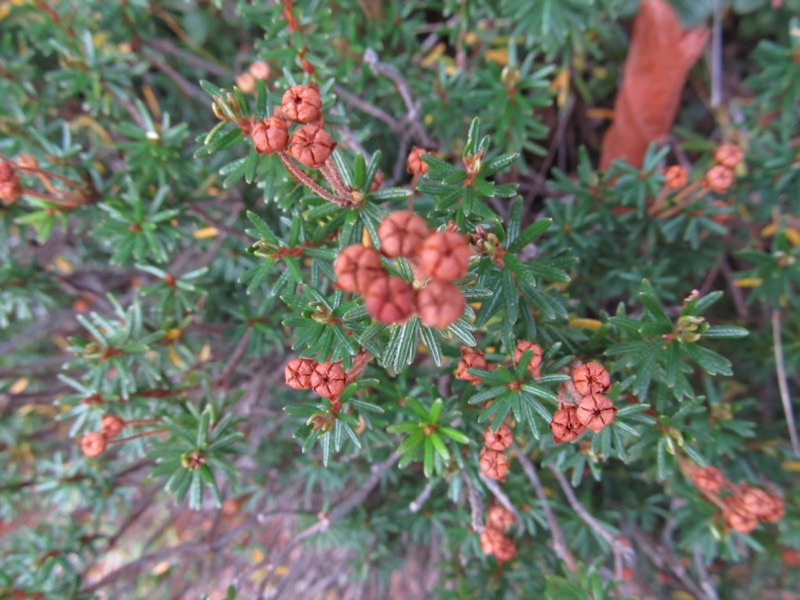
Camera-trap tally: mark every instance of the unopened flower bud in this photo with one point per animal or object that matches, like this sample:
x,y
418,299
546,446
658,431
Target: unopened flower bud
x,y
111,426
390,300
493,464
297,373
719,178
729,155
357,267
707,479
93,443
534,366
470,359
565,425
311,146
493,542
591,378
259,70
596,412
676,177
401,233
10,186
444,255
270,135
328,379
417,166
498,440
439,304
301,104
499,517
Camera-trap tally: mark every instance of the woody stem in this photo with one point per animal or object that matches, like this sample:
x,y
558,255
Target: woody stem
x,y
142,421
331,172
51,199
662,198
303,178
137,436
681,205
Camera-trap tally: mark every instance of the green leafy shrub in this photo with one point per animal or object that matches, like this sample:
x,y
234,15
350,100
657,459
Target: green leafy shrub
x,y
597,405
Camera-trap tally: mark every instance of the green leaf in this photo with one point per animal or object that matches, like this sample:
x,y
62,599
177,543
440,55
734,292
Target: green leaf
x,y
648,298
428,459
706,301
432,343
344,169
411,443
196,492
454,434
436,410
261,99
250,166
529,234
497,164
391,194
439,446
725,331
711,362
360,173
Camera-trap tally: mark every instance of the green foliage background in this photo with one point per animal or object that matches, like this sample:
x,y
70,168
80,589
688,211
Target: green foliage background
x,y
164,297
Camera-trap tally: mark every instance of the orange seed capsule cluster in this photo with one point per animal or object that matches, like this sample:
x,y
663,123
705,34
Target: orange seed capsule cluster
x,y
743,506
593,410
327,379
310,145
439,257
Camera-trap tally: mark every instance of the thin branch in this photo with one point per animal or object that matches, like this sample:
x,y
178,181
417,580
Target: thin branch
x,y
499,494
475,503
419,501
393,74
184,85
702,573
662,558
559,545
619,546
235,358
783,386
187,58
303,178
353,500
366,107
735,291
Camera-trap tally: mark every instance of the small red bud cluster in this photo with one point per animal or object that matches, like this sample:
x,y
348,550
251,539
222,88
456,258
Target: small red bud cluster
x,y
676,177
721,176
494,541
493,460
593,410
742,505
246,81
414,163
327,379
442,257
535,365
471,359
310,145
94,443
10,186
717,179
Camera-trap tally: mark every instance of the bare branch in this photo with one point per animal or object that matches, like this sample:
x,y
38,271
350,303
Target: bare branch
x,y
499,494
619,545
559,545
475,503
783,386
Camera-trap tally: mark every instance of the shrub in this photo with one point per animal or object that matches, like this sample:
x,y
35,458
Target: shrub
x,y
342,279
